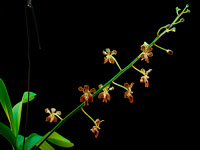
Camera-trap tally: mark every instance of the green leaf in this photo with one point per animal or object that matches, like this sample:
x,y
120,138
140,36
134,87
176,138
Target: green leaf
x,y
20,140
6,104
46,146
32,140
31,97
8,134
17,109
59,140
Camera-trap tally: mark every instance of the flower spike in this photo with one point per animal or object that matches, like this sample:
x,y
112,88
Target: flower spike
x,y
87,96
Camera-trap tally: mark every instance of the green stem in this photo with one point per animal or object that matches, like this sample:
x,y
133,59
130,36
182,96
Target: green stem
x,y
120,85
160,47
116,63
88,116
179,15
138,70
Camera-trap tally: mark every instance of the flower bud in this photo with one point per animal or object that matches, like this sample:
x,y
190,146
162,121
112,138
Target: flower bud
x,y
182,20
173,29
170,52
177,9
187,11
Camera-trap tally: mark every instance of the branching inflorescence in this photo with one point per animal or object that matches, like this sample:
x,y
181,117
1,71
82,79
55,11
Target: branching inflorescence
x,y
104,90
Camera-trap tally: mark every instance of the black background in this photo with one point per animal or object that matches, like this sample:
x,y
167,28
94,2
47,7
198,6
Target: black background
x,y
73,35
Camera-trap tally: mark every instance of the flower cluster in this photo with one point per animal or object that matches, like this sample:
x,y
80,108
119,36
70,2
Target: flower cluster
x,y
103,91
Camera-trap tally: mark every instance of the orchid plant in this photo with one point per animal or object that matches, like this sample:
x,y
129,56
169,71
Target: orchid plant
x,y
35,141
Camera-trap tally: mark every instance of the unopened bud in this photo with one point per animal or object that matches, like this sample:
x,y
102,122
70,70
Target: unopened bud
x,y
177,9
187,11
170,52
182,20
173,29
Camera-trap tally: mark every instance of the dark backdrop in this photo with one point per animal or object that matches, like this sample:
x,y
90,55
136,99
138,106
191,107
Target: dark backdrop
x,y
73,35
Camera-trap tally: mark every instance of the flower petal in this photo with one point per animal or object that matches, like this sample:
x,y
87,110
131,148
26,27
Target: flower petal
x,y
106,59
47,110
112,61
81,89
100,85
97,134
58,113
82,98
146,83
48,118
114,52
142,79
53,110
55,119
126,94
90,98
130,99
142,48
149,49
93,90
126,85
150,54
86,87
108,51
104,52
131,85
52,119
108,96
101,95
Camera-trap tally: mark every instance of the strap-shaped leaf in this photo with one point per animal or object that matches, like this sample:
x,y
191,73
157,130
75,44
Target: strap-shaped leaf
x,y
59,140
17,109
25,97
46,146
32,140
8,134
6,104
56,139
